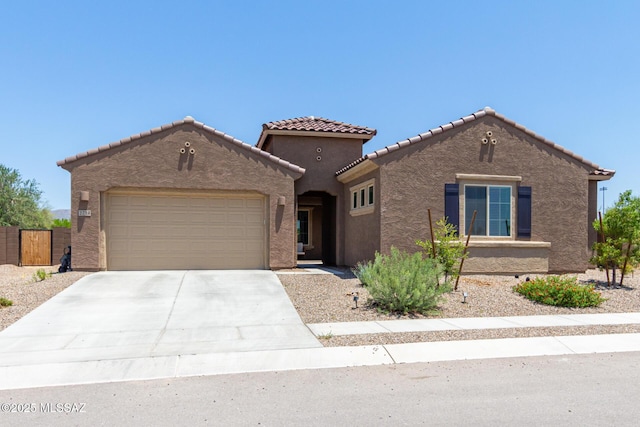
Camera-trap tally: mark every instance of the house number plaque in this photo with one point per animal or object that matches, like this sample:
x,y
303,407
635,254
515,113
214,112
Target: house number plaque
x,y
84,212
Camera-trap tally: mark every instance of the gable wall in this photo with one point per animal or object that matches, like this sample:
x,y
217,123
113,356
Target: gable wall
x,y
335,153
413,180
154,162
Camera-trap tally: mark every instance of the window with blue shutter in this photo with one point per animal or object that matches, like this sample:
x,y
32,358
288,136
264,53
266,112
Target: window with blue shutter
x,y
452,205
524,211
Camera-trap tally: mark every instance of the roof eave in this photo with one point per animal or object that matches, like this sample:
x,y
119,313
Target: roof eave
x,y
363,167
67,163
267,132
602,175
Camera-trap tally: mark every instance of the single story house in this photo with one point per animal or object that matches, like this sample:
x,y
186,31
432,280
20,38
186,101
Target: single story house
x,y
188,196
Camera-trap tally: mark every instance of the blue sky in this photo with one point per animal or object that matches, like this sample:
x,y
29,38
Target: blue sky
x,y
78,75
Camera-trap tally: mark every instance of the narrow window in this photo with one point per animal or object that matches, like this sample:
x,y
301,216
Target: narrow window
x,y
499,211
303,227
362,198
475,199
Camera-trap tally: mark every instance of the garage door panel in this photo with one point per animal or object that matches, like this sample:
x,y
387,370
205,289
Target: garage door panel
x,y
237,219
253,203
254,233
254,218
236,203
136,201
186,231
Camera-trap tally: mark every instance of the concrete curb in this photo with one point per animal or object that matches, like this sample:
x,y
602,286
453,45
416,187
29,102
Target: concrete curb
x,y
148,368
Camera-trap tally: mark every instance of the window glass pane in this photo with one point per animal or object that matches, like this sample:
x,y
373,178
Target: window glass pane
x,y
303,227
475,198
500,211
362,197
371,194
355,199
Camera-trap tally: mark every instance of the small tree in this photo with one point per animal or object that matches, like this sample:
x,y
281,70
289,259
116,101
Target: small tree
x,y
449,250
20,201
621,230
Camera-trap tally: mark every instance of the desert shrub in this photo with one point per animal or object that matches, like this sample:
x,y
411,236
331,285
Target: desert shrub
x,y
562,291
402,282
40,275
5,302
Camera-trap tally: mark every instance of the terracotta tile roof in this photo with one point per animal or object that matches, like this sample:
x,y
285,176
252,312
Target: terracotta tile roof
x,y
318,124
187,120
314,124
487,111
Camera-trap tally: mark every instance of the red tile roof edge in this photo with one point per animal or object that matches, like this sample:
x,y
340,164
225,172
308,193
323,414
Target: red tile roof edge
x,y
298,124
288,124
487,111
186,120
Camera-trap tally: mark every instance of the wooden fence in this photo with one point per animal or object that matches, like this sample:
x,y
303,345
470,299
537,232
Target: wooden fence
x,y
33,247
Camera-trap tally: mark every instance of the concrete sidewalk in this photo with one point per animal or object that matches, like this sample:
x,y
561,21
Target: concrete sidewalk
x,y
183,365
471,323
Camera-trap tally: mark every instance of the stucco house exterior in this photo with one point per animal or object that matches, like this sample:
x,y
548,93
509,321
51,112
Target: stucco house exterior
x,y
187,196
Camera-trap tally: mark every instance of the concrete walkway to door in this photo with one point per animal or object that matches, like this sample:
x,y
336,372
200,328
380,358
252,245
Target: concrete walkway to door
x,y
137,315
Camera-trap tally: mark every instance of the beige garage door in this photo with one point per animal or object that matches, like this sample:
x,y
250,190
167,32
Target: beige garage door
x,y
185,231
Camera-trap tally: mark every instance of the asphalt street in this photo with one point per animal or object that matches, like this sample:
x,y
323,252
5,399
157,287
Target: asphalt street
x,y
585,390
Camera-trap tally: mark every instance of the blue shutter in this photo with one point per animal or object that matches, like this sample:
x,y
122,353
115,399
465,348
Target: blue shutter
x,y
452,205
524,211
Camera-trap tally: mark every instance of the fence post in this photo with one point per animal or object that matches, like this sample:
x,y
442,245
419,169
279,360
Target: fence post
x,y
9,245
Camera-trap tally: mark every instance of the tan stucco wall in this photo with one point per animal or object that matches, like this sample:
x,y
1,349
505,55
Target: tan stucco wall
x,y
335,153
362,232
517,259
413,179
154,162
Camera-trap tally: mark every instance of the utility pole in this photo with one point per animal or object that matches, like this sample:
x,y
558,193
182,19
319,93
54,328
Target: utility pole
x,y
603,189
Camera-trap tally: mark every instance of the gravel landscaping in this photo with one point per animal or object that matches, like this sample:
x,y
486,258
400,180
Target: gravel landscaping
x,y
322,298
18,285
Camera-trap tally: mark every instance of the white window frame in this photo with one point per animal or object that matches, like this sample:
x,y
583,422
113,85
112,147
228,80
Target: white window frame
x,y
488,181
360,200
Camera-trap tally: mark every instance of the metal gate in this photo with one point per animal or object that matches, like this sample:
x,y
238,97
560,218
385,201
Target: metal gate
x,y
35,247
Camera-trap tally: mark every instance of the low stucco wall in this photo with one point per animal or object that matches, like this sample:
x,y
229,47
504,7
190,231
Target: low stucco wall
x,y
507,258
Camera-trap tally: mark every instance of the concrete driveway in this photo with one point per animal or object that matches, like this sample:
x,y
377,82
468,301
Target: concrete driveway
x,y
125,315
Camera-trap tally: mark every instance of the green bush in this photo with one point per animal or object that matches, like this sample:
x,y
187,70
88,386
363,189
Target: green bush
x,y
40,275
449,249
561,291
61,222
402,282
5,302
